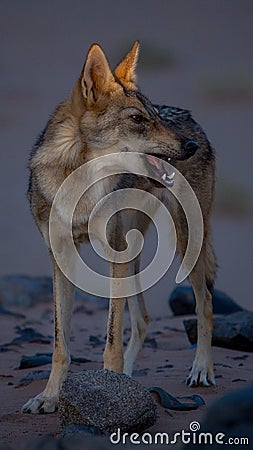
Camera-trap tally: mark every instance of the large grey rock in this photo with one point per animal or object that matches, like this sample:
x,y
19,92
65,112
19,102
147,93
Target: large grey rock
x,y
107,401
182,302
232,416
233,331
40,443
5,446
23,291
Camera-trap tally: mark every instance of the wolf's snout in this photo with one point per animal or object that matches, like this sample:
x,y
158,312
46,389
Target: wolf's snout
x,y
190,148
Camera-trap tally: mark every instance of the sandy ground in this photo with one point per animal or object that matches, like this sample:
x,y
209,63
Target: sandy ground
x,y
166,366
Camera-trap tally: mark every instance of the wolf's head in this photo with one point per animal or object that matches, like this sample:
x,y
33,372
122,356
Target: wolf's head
x,y
114,116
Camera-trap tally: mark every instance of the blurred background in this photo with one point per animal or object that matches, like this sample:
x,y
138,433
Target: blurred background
x,y
195,54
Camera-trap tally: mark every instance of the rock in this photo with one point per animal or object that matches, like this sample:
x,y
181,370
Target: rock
x,y
191,330
34,376
231,416
182,302
238,380
150,342
5,446
96,341
41,359
80,429
6,312
106,400
42,443
140,373
79,360
31,336
233,331
238,358
21,290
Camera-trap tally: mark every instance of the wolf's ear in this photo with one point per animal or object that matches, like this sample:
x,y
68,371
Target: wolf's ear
x,y
125,71
97,78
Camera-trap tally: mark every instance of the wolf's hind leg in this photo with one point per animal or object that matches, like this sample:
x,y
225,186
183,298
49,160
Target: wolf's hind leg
x,y
202,373
46,401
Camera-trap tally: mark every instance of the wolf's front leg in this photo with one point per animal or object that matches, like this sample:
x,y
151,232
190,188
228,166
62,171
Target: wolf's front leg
x,y
113,354
46,401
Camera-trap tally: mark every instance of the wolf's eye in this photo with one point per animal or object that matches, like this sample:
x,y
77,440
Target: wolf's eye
x,y
137,118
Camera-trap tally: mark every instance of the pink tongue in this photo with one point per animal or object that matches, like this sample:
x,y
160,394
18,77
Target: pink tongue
x,y
157,163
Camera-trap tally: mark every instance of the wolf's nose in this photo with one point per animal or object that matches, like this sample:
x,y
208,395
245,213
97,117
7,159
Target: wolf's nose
x,y
190,147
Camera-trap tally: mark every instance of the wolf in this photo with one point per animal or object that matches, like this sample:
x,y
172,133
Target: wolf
x,y
105,114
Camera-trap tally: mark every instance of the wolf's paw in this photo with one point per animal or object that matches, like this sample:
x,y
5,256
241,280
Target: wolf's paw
x,y
40,405
201,374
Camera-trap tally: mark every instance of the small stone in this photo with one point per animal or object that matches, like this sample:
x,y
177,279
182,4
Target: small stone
x,y
39,359
6,312
34,376
236,358
182,302
78,429
31,336
79,360
107,401
233,331
96,341
140,373
236,380
150,342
